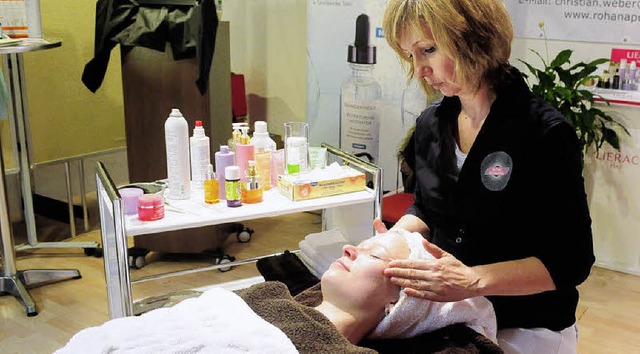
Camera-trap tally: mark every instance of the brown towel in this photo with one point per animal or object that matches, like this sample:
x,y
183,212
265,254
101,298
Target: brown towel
x,y
309,330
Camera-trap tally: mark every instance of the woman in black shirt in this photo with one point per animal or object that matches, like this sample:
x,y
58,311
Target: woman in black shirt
x,y
499,188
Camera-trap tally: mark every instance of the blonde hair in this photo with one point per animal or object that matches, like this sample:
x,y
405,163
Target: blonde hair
x,y
475,34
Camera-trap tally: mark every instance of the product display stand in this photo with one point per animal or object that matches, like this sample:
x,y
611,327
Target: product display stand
x,y
13,281
13,62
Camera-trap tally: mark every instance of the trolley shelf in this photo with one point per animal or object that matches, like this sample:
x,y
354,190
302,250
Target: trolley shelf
x,y
191,213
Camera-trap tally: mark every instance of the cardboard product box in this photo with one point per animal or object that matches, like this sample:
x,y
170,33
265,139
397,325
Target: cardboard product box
x,y
305,186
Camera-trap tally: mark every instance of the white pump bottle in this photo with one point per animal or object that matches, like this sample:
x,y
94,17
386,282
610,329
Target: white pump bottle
x,y
200,155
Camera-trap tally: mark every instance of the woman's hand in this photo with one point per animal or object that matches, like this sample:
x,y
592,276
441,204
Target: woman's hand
x,y
442,279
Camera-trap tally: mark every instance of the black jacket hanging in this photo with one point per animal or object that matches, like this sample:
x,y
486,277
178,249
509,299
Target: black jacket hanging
x,y
190,30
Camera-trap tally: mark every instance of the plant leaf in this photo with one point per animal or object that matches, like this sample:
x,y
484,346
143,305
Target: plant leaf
x,y
562,58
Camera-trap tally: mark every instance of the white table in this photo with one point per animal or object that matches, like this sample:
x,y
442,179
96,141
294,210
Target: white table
x,y
352,213
18,111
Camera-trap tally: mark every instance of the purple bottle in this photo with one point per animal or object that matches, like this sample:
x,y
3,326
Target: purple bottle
x,y
223,158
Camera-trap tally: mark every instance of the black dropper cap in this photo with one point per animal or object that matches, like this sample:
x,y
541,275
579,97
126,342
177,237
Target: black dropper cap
x,y
361,52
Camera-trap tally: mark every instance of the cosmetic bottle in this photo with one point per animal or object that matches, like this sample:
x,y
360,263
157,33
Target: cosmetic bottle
x,y
264,147
235,135
606,82
223,158
200,155
232,186
176,133
211,189
615,78
244,152
277,166
360,96
251,189
630,82
622,73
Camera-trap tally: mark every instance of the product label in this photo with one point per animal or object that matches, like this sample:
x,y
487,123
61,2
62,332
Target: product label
x,y
200,159
233,190
360,128
177,166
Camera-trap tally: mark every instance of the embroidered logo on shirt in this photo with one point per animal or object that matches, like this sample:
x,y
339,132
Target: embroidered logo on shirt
x,y
495,170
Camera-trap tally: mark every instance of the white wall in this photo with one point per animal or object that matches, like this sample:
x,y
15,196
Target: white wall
x,y
268,46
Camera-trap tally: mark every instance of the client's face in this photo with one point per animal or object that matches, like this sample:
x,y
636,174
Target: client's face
x,y
357,280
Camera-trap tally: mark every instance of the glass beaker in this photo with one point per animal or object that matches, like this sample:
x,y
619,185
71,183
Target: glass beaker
x,y
296,147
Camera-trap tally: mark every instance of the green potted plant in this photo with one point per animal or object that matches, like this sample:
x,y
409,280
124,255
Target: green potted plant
x,y
561,84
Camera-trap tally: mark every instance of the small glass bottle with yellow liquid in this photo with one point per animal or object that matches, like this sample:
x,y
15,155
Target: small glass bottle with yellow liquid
x,y
251,189
211,188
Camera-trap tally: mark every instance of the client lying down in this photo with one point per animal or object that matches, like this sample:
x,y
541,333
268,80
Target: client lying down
x,y
358,302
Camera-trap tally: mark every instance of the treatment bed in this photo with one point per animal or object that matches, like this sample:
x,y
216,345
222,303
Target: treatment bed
x,y
268,317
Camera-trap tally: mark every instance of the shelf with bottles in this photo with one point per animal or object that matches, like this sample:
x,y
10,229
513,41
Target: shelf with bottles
x,y
618,84
615,96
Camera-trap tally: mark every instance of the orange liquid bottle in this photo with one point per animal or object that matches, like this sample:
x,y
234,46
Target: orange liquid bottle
x,y
211,189
251,189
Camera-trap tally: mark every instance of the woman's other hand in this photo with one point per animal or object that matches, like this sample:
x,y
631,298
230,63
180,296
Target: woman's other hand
x,y
443,279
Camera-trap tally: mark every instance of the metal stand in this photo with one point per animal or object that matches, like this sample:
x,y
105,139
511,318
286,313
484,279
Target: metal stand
x,y
18,111
16,282
13,281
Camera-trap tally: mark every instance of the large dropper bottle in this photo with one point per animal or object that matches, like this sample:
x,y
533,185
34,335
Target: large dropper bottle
x,y
360,95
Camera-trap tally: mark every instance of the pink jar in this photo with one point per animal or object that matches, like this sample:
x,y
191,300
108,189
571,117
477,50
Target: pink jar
x,y
150,207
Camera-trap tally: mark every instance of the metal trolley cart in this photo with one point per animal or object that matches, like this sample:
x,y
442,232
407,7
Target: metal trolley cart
x,y
352,213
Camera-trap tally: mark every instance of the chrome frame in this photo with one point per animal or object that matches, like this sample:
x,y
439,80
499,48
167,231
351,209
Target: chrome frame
x,y
114,243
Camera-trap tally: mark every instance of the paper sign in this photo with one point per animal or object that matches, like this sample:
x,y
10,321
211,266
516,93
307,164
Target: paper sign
x,y
605,21
629,54
14,18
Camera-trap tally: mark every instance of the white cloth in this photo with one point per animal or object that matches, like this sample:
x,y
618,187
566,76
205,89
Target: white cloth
x,y
412,316
320,249
538,340
218,321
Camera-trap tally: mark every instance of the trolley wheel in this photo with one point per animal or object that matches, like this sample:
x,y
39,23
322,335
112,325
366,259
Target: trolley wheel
x,y
225,259
244,235
98,252
89,251
136,262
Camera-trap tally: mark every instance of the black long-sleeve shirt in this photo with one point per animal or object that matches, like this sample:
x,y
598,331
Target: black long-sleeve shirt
x,y
519,194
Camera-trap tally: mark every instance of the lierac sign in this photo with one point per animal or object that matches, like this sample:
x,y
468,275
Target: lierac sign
x,y
617,160
607,21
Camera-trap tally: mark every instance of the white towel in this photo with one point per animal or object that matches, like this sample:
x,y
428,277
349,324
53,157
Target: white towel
x,y
218,321
313,267
412,316
319,250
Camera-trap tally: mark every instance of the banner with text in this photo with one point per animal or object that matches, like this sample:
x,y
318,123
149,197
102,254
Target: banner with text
x,y
611,180
607,21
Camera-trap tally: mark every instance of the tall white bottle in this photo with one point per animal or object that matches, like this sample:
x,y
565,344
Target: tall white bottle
x,y
264,146
200,155
176,135
360,98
